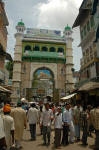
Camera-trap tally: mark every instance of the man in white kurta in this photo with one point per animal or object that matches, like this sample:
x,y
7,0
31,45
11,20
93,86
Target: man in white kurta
x,y
2,134
58,127
19,116
46,119
71,126
8,128
33,118
68,125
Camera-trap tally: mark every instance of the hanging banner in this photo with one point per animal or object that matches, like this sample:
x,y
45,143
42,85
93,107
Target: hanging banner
x,y
43,32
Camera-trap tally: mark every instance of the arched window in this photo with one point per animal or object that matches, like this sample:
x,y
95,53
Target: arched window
x,y
45,49
36,48
62,71
27,48
60,50
52,49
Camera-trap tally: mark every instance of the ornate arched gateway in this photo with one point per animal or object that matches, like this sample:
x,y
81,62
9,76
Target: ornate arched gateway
x,y
43,79
42,62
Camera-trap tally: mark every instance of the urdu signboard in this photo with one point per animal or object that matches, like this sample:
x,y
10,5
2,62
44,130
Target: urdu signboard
x,y
43,32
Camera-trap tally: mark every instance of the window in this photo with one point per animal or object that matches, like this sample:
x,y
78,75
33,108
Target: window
x,y
27,48
82,35
92,21
83,53
87,51
88,26
94,46
36,48
68,33
85,30
18,91
52,49
45,49
62,71
91,50
95,54
24,92
60,50
88,74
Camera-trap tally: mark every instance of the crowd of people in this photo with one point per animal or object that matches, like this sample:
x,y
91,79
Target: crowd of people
x,y
68,121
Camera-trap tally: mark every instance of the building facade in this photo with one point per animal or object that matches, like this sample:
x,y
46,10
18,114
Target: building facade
x,y
88,21
3,41
43,62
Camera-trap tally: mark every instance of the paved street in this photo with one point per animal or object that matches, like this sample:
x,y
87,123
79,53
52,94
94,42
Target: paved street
x,y
33,145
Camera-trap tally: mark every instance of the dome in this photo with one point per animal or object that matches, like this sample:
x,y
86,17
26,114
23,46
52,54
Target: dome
x,y
20,23
67,28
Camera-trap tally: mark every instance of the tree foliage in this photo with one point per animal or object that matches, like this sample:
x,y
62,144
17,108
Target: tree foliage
x,y
9,67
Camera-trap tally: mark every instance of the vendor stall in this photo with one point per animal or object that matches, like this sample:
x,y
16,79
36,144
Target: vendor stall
x,y
4,94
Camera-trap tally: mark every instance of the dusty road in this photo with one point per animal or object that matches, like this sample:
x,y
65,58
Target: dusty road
x,y
37,145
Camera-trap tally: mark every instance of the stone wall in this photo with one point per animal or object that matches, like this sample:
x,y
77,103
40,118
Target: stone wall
x,y
61,76
3,36
25,77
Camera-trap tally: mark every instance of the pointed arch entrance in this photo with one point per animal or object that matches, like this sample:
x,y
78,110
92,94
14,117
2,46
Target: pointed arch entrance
x,y
43,82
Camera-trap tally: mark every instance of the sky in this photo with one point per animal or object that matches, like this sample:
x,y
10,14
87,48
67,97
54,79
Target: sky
x,y
46,14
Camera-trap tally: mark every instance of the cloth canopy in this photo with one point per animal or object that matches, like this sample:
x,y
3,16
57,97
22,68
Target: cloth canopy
x,y
24,100
2,89
68,97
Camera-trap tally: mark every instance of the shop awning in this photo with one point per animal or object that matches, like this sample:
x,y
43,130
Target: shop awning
x,y
82,14
89,86
2,89
68,97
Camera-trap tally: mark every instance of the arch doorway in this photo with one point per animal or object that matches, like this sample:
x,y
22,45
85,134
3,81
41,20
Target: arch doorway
x,y
43,83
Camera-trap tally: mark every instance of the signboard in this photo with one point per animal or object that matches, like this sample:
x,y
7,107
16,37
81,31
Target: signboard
x,y
43,32
40,91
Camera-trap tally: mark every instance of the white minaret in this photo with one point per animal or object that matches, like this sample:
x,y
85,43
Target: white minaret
x,y
69,83
17,61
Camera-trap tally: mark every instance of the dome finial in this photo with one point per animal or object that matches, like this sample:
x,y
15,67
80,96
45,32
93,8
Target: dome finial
x,y
20,26
67,28
20,23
